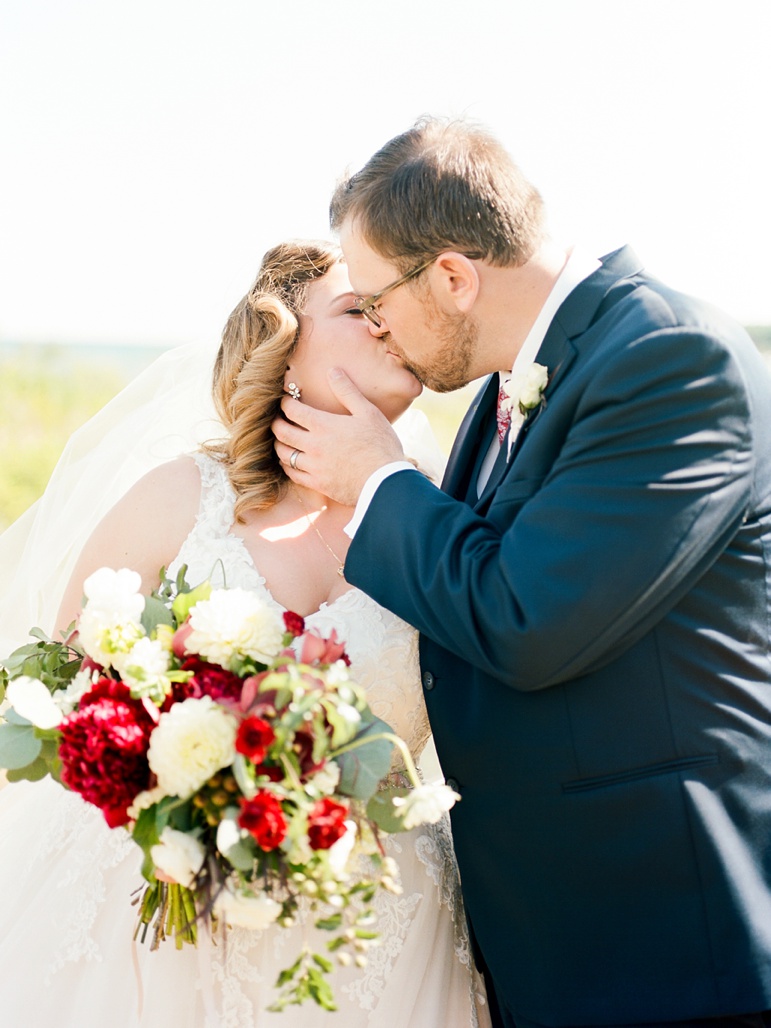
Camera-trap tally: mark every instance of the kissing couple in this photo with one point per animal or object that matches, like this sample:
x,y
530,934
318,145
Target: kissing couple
x,y
589,584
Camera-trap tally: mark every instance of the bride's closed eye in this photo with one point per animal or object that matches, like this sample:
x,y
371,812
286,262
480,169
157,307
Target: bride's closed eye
x,y
352,310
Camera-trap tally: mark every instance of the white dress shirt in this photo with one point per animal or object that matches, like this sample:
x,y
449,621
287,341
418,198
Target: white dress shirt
x,y
578,266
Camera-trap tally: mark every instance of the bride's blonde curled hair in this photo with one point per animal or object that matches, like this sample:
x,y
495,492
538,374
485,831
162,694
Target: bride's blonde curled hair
x,y
257,343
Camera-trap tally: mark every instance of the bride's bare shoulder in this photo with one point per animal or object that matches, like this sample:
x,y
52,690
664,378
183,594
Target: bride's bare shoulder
x,y
144,531
179,479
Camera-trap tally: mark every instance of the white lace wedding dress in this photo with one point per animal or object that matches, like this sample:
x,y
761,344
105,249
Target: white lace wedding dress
x,y
66,880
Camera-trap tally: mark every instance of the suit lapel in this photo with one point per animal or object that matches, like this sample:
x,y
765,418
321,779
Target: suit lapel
x,y
557,353
573,318
468,441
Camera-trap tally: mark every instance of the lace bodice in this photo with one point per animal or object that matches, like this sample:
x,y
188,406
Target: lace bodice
x,y
383,648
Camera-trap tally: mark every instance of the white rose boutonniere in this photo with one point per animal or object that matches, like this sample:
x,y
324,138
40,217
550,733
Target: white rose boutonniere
x,y
524,391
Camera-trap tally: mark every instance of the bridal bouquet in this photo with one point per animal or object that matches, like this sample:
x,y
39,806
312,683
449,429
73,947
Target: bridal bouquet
x,y
235,749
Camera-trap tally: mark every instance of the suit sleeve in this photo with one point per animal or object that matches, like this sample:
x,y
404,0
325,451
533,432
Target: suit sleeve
x,y
652,480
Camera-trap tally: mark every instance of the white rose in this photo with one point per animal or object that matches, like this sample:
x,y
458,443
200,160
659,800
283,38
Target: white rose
x,y
229,834
246,909
179,856
30,698
191,742
232,624
525,387
111,620
425,805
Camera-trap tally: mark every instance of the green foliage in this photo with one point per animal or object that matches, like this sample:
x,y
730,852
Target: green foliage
x,y
365,761
42,402
382,811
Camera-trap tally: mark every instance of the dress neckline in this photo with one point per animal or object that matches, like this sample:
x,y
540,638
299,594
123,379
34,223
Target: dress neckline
x,y
218,480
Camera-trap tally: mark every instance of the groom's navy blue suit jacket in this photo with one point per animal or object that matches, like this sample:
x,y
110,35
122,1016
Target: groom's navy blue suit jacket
x,y
595,659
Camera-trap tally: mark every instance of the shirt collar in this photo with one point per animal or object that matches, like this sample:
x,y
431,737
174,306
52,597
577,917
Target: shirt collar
x,y
579,265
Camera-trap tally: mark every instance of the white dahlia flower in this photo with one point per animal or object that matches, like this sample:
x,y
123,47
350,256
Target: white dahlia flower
x,y
233,624
191,742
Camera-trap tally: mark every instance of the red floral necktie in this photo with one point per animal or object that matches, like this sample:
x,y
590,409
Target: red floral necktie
x,y
503,416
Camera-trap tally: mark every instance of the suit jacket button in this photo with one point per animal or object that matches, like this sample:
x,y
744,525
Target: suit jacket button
x,y
429,681
453,784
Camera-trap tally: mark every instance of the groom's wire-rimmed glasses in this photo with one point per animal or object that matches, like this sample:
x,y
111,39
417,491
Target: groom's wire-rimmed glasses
x,y
366,304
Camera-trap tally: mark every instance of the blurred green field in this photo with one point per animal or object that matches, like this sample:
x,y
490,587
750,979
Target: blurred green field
x,y
46,393
41,404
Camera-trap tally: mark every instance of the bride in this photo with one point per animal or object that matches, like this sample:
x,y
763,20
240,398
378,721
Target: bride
x,y
230,514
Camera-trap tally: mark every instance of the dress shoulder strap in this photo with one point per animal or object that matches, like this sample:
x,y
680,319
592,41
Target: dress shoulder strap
x,y
218,497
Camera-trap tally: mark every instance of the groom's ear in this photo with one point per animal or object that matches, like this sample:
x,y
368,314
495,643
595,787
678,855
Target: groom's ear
x,y
455,282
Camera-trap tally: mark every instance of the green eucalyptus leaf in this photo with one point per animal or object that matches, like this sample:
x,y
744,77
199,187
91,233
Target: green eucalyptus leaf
x,y
19,745
363,767
31,773
15,719
382,811
155,613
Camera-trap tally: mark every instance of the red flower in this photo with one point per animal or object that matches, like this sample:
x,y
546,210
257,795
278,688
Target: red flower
x,y
212,680
103,749
253,738
303,748
293,623
263,817
326,823
274,774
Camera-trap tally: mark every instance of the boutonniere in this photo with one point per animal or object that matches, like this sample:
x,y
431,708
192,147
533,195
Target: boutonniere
x,y
524,392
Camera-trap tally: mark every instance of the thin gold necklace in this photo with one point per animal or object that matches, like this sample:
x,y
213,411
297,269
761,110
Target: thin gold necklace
x,y
312,523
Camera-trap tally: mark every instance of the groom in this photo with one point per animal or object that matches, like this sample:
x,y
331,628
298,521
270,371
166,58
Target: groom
x,y
592,590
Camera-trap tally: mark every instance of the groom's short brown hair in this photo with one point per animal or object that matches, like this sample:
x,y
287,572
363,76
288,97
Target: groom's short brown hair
x,y
442,185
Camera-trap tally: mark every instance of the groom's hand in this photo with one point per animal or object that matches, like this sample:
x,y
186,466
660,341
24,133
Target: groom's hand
x,y
335,453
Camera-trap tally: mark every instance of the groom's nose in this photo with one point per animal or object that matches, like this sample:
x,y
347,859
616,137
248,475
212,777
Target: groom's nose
x,y
378,330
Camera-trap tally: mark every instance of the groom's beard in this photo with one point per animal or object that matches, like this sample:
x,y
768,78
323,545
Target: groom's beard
x,y
449,366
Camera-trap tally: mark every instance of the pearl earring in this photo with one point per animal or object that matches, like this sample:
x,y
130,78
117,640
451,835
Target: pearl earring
x,y
294,390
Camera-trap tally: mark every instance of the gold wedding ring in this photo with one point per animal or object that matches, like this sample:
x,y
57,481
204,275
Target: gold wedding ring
x,y
293,459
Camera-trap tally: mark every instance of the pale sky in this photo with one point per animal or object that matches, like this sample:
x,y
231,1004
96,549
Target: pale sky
x,y
153,149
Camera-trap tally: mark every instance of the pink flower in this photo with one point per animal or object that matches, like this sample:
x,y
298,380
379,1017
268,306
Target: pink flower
x,y
179,641
316,650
